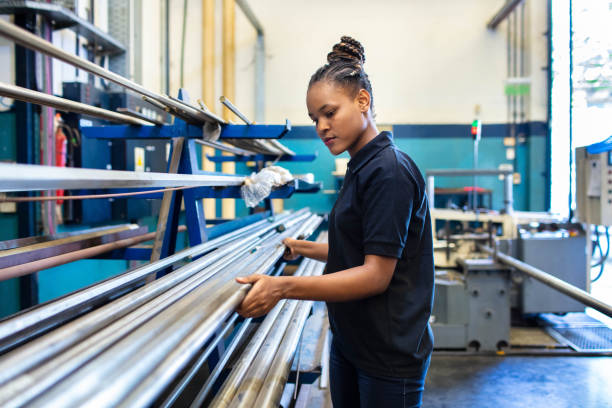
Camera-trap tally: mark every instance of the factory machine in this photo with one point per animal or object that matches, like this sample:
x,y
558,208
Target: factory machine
x,y
494,269
163,333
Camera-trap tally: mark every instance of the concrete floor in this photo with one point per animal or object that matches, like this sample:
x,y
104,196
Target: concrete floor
x,y
512,381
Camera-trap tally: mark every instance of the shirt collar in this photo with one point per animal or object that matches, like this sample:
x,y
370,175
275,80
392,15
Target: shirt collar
x,y
368,151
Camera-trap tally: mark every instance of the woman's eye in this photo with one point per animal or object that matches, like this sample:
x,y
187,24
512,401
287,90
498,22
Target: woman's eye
x,y
330,114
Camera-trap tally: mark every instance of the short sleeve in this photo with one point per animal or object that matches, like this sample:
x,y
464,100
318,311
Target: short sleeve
x,y
387,197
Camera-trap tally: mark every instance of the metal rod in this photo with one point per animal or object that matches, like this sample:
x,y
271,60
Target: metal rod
x,y
66,105
31,41
225,148
502,13
552,281
46,263
248,12
68,307
180,387
236,377
276,378
44,348
229,105
29,177
171,339
23,389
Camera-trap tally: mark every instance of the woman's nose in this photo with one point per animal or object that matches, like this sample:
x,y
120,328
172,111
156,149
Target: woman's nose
x,y
322,126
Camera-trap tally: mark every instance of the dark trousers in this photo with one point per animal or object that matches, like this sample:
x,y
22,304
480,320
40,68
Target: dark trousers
x,y
352,388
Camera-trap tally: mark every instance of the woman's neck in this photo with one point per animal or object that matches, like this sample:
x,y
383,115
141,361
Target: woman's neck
x,y
369,133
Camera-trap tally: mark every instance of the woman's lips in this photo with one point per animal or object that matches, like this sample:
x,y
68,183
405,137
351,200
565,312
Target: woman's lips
x,y
329,141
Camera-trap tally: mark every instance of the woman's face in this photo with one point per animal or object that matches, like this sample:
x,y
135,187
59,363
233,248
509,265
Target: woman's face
x,y
340,118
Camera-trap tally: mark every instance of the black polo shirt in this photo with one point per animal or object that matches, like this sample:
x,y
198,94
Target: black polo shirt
x,y
382,210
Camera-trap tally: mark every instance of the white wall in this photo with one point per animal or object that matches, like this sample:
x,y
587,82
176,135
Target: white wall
x,y
429,61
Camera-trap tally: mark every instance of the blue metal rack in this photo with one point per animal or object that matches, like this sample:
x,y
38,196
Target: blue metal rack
x,y
194,211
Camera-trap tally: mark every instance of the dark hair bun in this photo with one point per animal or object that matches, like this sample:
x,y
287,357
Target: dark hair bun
x,y
347,50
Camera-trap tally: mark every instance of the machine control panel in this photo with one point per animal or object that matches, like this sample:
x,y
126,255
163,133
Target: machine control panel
x,y
594,186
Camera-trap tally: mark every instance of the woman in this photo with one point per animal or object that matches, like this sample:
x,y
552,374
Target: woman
x,y
378,283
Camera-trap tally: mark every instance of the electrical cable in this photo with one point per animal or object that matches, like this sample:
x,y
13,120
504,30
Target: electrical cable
x,y
604,258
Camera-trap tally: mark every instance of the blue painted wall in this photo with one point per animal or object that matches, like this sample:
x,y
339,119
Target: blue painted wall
x,y
437,146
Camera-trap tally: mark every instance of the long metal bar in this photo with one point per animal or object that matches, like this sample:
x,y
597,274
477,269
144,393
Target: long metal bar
x,y
229,105
195,368
151,387
132,360
24,177
248,12
39,350
15,330
276,378
22,390
66,105
236,377
502,13
225,148
36,43
552,281
43,348
45,263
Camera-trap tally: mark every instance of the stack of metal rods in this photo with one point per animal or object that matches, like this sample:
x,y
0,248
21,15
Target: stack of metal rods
x,y
260,374
100,358
189,113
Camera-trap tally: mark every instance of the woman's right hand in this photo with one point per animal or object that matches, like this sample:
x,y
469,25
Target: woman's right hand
x,y
290,251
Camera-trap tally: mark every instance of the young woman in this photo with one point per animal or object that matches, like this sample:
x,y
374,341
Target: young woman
x,y
379,279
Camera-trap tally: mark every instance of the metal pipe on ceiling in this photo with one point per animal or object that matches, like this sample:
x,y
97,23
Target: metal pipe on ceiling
x,y
570,290
502,14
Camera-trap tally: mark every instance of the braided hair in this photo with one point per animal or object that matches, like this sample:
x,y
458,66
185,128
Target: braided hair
x,y
345,68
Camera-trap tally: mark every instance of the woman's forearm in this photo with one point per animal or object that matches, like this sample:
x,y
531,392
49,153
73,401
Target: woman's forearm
x,y
309,249
350,284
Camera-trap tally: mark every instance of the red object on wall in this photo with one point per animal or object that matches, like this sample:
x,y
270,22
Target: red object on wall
x,y
61,149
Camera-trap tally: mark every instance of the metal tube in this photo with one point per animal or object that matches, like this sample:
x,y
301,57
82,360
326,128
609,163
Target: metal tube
x,y
251,384
66,105
276,377
23,389
224,147
140,351
39,350
552,281
150,388
502,13
31,41
68,307
235,378
29,177
35,266
140,361
467,172
229,105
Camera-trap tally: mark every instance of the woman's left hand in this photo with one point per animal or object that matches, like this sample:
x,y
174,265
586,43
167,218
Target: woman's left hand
x,y
262,297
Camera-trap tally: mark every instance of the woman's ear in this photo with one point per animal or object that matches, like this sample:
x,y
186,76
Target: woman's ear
x,y
363,100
